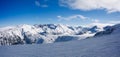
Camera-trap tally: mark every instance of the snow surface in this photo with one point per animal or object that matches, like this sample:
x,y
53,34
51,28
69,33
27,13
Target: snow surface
x,y
104,46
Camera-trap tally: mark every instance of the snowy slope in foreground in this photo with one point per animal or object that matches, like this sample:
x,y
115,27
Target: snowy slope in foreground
x,y
104,46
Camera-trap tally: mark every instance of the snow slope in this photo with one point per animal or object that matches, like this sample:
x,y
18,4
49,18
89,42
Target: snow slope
x,y
100,46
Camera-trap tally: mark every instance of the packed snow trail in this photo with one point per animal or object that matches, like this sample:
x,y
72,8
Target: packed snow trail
x,y
105,46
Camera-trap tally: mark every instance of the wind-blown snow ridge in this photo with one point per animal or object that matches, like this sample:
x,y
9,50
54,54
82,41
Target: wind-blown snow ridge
x,y
44,33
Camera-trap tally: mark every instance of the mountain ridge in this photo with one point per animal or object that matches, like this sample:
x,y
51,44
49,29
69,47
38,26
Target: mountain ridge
x,y
44,33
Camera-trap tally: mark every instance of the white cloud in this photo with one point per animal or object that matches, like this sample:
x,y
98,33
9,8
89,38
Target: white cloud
x,y
100,24
86,5
37,3
95,20
91,22
115,22
72,17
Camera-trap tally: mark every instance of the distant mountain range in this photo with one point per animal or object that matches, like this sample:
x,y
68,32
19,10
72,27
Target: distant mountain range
x,y
49,33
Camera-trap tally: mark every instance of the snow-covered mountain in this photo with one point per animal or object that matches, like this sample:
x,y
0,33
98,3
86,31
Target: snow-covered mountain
x,y
44,33
109,30
107,45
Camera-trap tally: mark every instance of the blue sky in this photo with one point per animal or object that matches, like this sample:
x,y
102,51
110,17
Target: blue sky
x,y
71,12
